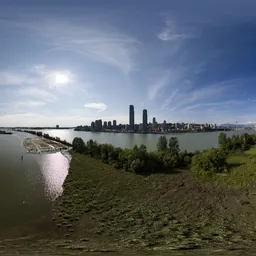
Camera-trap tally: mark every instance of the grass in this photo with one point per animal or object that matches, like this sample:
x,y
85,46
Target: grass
x,y
242,171
108,208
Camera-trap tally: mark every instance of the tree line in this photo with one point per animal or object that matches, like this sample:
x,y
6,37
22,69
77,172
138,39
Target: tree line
x,y
168,155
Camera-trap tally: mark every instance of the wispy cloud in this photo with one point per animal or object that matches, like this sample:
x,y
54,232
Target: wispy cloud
x,y
154,89
101,44
168,100
210,104
99,106
14,78
171,33
37,93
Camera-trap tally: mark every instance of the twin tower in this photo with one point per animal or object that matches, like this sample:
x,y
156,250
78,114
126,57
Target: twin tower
x,y
144,119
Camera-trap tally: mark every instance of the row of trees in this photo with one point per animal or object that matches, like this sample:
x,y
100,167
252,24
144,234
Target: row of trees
x,y
138,159
236,142
213,160
168,155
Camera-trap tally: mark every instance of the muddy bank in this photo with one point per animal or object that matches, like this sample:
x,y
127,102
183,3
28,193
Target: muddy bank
x,y
42,145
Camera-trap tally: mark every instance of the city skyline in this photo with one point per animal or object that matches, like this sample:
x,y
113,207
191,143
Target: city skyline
x,y
71,62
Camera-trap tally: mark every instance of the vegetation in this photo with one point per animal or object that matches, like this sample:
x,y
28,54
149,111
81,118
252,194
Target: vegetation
x,y
138,159
168,156
209,161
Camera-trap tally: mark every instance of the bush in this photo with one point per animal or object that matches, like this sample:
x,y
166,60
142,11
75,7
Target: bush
x,y
209,161
78,145
162,144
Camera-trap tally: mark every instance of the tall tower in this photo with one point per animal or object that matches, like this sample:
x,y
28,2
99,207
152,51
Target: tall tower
x,y
131,117
145,120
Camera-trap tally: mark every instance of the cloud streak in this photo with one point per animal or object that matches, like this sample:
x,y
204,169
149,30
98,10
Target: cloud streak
x,y
170,33
98,106
99,44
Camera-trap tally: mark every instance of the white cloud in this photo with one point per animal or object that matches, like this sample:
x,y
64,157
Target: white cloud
x,y
154,89
38,93
15,78
170,33
99,106
221,103
100,44
28,103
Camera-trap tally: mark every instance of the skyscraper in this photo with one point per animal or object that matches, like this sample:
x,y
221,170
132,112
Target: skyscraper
x,y
114,124
131,118
145,120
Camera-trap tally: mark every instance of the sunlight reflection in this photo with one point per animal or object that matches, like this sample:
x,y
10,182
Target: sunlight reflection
x,y
54,168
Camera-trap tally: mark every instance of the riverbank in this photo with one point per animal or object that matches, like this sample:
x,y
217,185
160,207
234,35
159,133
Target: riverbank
x,y
102,207
42,145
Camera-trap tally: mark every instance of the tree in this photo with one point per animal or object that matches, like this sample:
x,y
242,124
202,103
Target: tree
x,y
162,144
78,145
209,161
222,140
174,146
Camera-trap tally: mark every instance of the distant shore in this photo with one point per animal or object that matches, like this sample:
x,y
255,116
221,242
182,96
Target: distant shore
x,y
165,132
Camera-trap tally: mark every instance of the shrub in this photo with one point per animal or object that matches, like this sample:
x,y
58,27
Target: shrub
x,y
209,161
78,145
162,144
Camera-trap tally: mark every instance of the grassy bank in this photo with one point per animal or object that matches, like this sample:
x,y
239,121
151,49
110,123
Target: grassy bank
x,y
115,210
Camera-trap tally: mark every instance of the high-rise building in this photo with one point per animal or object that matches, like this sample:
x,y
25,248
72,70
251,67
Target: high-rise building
x,y
145,120
105,125
114,124
92,125
154,124
164,126
100,124
109,125
131,117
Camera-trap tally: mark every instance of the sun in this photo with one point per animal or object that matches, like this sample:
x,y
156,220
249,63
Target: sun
x,y
61,78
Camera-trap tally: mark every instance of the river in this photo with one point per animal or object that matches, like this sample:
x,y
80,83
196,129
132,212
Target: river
x,y
188,141
28,187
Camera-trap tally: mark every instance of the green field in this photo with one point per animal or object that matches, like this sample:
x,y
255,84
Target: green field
x,y
108,209
242,171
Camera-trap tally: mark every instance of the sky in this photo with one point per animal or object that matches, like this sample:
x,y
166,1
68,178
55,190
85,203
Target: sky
x,y
71,62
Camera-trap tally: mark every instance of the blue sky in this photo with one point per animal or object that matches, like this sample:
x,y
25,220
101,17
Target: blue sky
x,y
70,62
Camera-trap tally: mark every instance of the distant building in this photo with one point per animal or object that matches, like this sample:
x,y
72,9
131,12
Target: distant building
x,y
57,126
109,125
164,126
154,124
131,118
114,124
140,127
145,120
98,125
92,125
105,125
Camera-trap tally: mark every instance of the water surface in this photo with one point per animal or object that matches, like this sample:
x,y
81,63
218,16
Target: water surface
x,y
28,187
188,141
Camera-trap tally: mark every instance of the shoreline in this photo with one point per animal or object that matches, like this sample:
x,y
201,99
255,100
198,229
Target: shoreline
x,y
42,145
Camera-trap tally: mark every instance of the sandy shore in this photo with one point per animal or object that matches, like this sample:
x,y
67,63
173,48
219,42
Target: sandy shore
x,y
42,145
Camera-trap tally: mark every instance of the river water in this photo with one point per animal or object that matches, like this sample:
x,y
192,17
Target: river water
x,y
28,187
188,141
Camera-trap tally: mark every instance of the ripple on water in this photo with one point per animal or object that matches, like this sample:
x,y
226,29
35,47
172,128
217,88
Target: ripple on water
x,y
54,169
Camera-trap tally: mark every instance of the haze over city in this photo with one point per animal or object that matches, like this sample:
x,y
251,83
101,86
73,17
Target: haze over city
x,y
71,62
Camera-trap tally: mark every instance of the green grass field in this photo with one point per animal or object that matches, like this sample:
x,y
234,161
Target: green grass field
x,y
242,171
107,208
